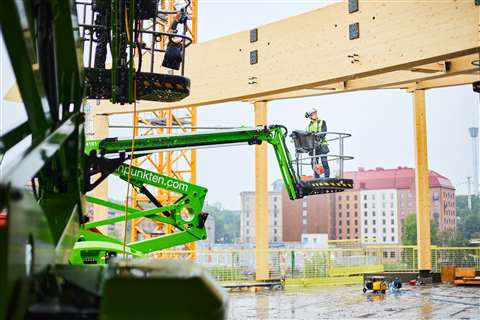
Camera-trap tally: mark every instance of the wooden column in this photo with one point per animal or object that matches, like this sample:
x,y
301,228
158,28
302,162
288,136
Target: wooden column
x,y
261,197
422,183
101,191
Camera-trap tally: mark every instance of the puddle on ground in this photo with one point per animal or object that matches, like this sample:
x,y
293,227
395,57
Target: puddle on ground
x,y
347,302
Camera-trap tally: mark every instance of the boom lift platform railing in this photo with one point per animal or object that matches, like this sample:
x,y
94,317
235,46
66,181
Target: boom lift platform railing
x,y
305,150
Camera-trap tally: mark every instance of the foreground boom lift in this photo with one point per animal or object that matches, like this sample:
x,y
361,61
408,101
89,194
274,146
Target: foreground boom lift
x,y
107,156
42,190
45,238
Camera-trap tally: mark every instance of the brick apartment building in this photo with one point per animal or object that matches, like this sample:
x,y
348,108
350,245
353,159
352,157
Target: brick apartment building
x,y
307,215
373,211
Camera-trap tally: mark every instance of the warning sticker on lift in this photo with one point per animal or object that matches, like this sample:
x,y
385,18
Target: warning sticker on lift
x,y
152,178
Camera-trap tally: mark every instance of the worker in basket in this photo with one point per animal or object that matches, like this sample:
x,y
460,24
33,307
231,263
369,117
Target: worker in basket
x,y
321,146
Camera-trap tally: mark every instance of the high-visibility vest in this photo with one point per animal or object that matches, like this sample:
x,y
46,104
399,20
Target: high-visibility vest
x,y
316,126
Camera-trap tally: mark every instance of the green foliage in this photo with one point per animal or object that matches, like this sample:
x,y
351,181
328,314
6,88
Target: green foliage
x,y
468,226
468,221
410,230
227,224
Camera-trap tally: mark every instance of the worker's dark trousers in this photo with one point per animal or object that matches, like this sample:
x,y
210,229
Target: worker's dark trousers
x,y
324,160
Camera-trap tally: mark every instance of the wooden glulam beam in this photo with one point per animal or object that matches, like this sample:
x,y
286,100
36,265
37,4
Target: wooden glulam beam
x,y
314,50
393,80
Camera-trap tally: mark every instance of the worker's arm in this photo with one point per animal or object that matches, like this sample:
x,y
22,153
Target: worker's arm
x,y
323,129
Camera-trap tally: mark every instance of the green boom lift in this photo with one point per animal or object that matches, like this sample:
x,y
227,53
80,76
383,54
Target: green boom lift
x,y
107,156
45,240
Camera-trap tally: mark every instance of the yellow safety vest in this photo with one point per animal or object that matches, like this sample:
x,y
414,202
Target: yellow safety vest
x,y
316,126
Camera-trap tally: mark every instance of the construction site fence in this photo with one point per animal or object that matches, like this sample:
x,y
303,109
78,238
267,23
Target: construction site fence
x,y
331,265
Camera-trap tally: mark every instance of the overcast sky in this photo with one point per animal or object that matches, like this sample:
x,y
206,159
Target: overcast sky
x,y
381,122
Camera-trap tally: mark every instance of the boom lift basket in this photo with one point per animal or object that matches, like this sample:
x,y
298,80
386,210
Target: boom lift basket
x,y
304,141
306,145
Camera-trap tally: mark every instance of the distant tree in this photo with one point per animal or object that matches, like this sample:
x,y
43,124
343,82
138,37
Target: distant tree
x,y
410,231
468,220
227,224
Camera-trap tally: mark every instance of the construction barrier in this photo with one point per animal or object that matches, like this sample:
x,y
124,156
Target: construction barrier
x,y
325,266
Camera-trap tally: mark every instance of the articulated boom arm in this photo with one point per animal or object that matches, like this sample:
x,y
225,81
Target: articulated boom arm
x,y
273,134
185,214
107,156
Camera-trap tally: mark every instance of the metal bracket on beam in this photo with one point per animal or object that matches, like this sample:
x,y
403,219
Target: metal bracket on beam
x,y
354,31
353,6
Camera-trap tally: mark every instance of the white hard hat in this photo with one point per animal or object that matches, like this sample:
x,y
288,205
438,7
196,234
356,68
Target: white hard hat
x,y
312,110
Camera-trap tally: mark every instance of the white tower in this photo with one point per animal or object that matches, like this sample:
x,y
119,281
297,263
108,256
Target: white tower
x,y
474,135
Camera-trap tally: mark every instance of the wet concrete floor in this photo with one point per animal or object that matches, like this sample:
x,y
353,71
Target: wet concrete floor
x,y
349,302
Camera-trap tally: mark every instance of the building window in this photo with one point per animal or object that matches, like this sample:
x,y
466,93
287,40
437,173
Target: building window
x,y
348,222
392,221
348,205
384,240
383,196
391,205
339,206
339,198
275,239
348,230
392,254
366,230
340,214
274,223
391,196
339,230
393,230
384,222
383,205
348,198
356,213
365,205
373,205
384,230
339,222
366,213
374,222
383,213
366,222
355,206
393,238
374,230
339,237
248,223
385,254
373,213
248,231
304,221
304,204
355,198
275,231
365,197
373,197
348,214
356,222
